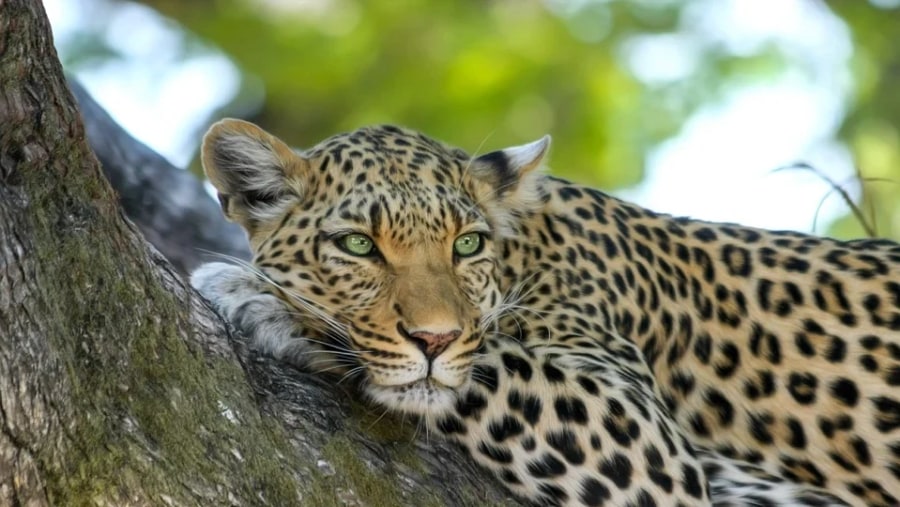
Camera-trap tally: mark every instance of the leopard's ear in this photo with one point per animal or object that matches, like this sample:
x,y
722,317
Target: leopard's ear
x,y
513,179
258,176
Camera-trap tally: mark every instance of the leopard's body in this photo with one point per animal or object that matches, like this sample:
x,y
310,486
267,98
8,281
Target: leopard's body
x,y
588,351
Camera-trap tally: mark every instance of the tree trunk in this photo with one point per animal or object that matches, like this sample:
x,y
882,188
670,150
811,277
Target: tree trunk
x,y
118,384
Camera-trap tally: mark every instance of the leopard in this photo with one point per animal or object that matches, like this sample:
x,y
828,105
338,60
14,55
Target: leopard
x,y
583,349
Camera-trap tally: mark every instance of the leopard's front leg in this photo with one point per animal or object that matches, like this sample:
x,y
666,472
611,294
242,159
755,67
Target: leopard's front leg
x,y
253,307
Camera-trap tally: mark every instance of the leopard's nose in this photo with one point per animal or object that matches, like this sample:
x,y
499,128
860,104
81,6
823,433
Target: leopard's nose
x,y
432,343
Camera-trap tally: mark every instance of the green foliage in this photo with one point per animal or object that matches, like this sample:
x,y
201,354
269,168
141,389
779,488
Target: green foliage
x,y
871,126
476,74
486,74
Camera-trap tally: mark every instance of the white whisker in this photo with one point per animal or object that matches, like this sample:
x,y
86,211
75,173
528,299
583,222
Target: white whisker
x,y
379,418
350,373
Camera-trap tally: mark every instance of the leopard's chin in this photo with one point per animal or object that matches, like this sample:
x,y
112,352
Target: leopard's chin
x,y
426,397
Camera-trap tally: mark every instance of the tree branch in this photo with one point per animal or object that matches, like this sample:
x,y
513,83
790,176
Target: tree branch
x,y
168,204
118,384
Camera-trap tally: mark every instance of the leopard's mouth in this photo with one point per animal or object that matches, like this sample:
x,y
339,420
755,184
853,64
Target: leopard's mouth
x,y
425,397
393,361
428,383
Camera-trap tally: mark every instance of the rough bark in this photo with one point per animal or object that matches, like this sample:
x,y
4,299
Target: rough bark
x,y
118,384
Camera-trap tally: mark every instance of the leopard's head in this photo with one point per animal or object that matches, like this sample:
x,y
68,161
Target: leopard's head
x,y
384,243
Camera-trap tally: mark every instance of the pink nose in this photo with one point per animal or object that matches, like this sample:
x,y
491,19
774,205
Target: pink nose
x,y
432,344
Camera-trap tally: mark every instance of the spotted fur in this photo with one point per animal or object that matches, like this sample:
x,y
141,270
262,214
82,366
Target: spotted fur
x,y
590,352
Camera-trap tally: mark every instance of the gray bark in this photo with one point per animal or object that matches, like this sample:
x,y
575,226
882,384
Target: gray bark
x,y
118,384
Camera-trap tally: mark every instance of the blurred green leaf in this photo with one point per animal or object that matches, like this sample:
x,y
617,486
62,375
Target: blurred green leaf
x,y
485,74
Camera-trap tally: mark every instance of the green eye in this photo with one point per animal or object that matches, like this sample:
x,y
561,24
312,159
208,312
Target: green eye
x,y
467,245
357,244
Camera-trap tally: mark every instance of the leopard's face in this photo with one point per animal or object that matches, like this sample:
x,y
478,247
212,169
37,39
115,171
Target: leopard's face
x,y
399,279
385,245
